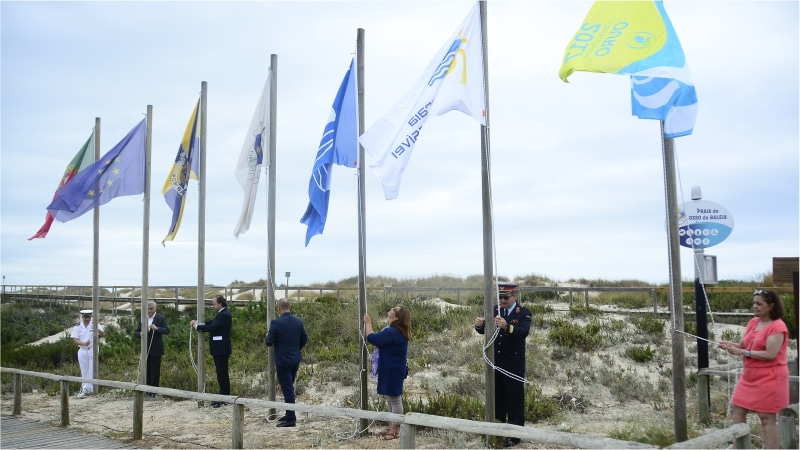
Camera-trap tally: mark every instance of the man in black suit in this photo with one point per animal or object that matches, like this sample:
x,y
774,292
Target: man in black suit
x,y
514,323
156,328
288,335
219,337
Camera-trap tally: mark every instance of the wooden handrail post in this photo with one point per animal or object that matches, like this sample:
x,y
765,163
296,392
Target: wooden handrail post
x,y
17,395
64,385
138,415
237,426
744,442
408,435
703,398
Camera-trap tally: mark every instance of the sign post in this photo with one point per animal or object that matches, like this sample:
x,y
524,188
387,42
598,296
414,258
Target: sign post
x,y
703,224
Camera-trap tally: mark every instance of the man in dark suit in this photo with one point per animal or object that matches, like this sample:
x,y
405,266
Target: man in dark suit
x,y
514,323
219,337
288,335
156,328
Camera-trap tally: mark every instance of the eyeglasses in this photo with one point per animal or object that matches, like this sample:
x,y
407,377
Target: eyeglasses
x,y
504,297
759,292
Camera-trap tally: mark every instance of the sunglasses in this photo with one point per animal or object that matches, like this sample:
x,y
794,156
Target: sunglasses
x,y
394,310
759,292
504,297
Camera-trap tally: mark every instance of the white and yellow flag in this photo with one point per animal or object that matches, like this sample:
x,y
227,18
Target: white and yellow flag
x,y
453,80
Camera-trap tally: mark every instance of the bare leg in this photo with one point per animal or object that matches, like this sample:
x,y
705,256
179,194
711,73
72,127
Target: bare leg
x,y
769,427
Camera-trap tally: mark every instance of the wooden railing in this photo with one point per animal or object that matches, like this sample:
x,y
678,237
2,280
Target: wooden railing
x,y
740,434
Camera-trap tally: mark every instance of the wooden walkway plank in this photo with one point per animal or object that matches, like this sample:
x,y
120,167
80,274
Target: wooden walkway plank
x,y
18,432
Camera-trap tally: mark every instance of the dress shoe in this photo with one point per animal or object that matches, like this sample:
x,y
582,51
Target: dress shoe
x,y
510,442
217,404
286,423
282,419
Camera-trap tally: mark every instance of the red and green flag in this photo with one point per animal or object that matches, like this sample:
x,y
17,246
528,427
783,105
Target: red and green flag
x,y
78,163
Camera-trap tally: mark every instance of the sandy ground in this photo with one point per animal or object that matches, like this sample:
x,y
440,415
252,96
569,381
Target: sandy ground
x,y
169,423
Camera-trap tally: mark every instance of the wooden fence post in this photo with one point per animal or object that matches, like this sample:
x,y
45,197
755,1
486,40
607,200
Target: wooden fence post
x,y
237,427
138,415
408,435
17,395
703,398
787,427
64,384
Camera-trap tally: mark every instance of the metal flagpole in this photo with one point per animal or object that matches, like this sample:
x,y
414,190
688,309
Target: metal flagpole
x,y
96,272
201,239
273,111
489,286
138,404
362,233
676,291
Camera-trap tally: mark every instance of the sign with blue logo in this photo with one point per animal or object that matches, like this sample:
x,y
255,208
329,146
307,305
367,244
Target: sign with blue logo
x,y
703,224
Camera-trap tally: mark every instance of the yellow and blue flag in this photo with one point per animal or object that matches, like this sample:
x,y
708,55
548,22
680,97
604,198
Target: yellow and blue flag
x,y
339,144
119,172
636,38
186,166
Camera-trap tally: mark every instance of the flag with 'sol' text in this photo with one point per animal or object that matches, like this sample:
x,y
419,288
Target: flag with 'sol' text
x,y
80,161
119,172
636,38
339,144
186,166
453,80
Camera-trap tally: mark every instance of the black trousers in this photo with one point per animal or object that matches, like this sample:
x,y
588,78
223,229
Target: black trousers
x,y
221,362
153,370
509,400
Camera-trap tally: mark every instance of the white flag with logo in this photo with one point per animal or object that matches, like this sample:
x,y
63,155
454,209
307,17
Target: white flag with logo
x,y
453,80
252,158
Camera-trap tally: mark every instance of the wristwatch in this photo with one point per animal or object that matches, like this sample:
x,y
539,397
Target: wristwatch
x,y
747,353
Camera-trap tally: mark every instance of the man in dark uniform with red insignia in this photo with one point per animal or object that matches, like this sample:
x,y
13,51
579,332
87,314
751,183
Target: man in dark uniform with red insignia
x,y
514,322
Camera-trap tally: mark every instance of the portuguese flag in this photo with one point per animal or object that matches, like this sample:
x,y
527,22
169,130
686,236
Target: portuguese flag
x,y
78,163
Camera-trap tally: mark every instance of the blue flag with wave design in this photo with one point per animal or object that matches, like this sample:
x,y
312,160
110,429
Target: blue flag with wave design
x,y
338,145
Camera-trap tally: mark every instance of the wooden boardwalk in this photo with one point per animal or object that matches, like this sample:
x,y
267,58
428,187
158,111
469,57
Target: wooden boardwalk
x,y
18,432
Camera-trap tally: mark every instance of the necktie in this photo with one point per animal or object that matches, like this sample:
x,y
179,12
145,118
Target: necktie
x,y
503,313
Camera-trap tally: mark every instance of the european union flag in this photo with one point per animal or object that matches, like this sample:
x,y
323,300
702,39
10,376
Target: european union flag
x,y
119,172
338,145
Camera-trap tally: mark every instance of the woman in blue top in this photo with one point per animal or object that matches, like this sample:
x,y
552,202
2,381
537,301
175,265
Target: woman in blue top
x,y
392,343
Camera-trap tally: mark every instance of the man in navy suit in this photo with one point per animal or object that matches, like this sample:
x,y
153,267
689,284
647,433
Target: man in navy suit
x,y
514,323
156,328
219,336
289,336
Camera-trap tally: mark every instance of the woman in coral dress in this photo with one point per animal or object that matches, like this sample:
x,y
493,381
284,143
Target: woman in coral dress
x,y
764,384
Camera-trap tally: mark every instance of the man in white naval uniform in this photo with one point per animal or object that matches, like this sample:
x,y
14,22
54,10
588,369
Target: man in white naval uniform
x,y
82,336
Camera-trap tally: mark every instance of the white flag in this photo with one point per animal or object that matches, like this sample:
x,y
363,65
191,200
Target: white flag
x,y
248,168
453,80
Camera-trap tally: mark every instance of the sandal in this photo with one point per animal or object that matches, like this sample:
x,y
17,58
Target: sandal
x,y
383,432
389,436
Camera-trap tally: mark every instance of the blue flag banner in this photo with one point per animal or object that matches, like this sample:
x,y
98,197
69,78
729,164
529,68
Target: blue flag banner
x,y
339,145
186,166
119,172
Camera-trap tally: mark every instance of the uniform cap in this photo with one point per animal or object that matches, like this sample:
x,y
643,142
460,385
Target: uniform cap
x,y
507,288
86,312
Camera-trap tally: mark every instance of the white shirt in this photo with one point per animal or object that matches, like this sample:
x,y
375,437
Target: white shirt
x,y
85,333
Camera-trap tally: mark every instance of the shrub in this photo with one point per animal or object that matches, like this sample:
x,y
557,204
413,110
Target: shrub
x,y
574,336
649,323
640,354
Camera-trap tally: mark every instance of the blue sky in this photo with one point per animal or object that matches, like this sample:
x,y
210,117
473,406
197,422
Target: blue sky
x,y
577,182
